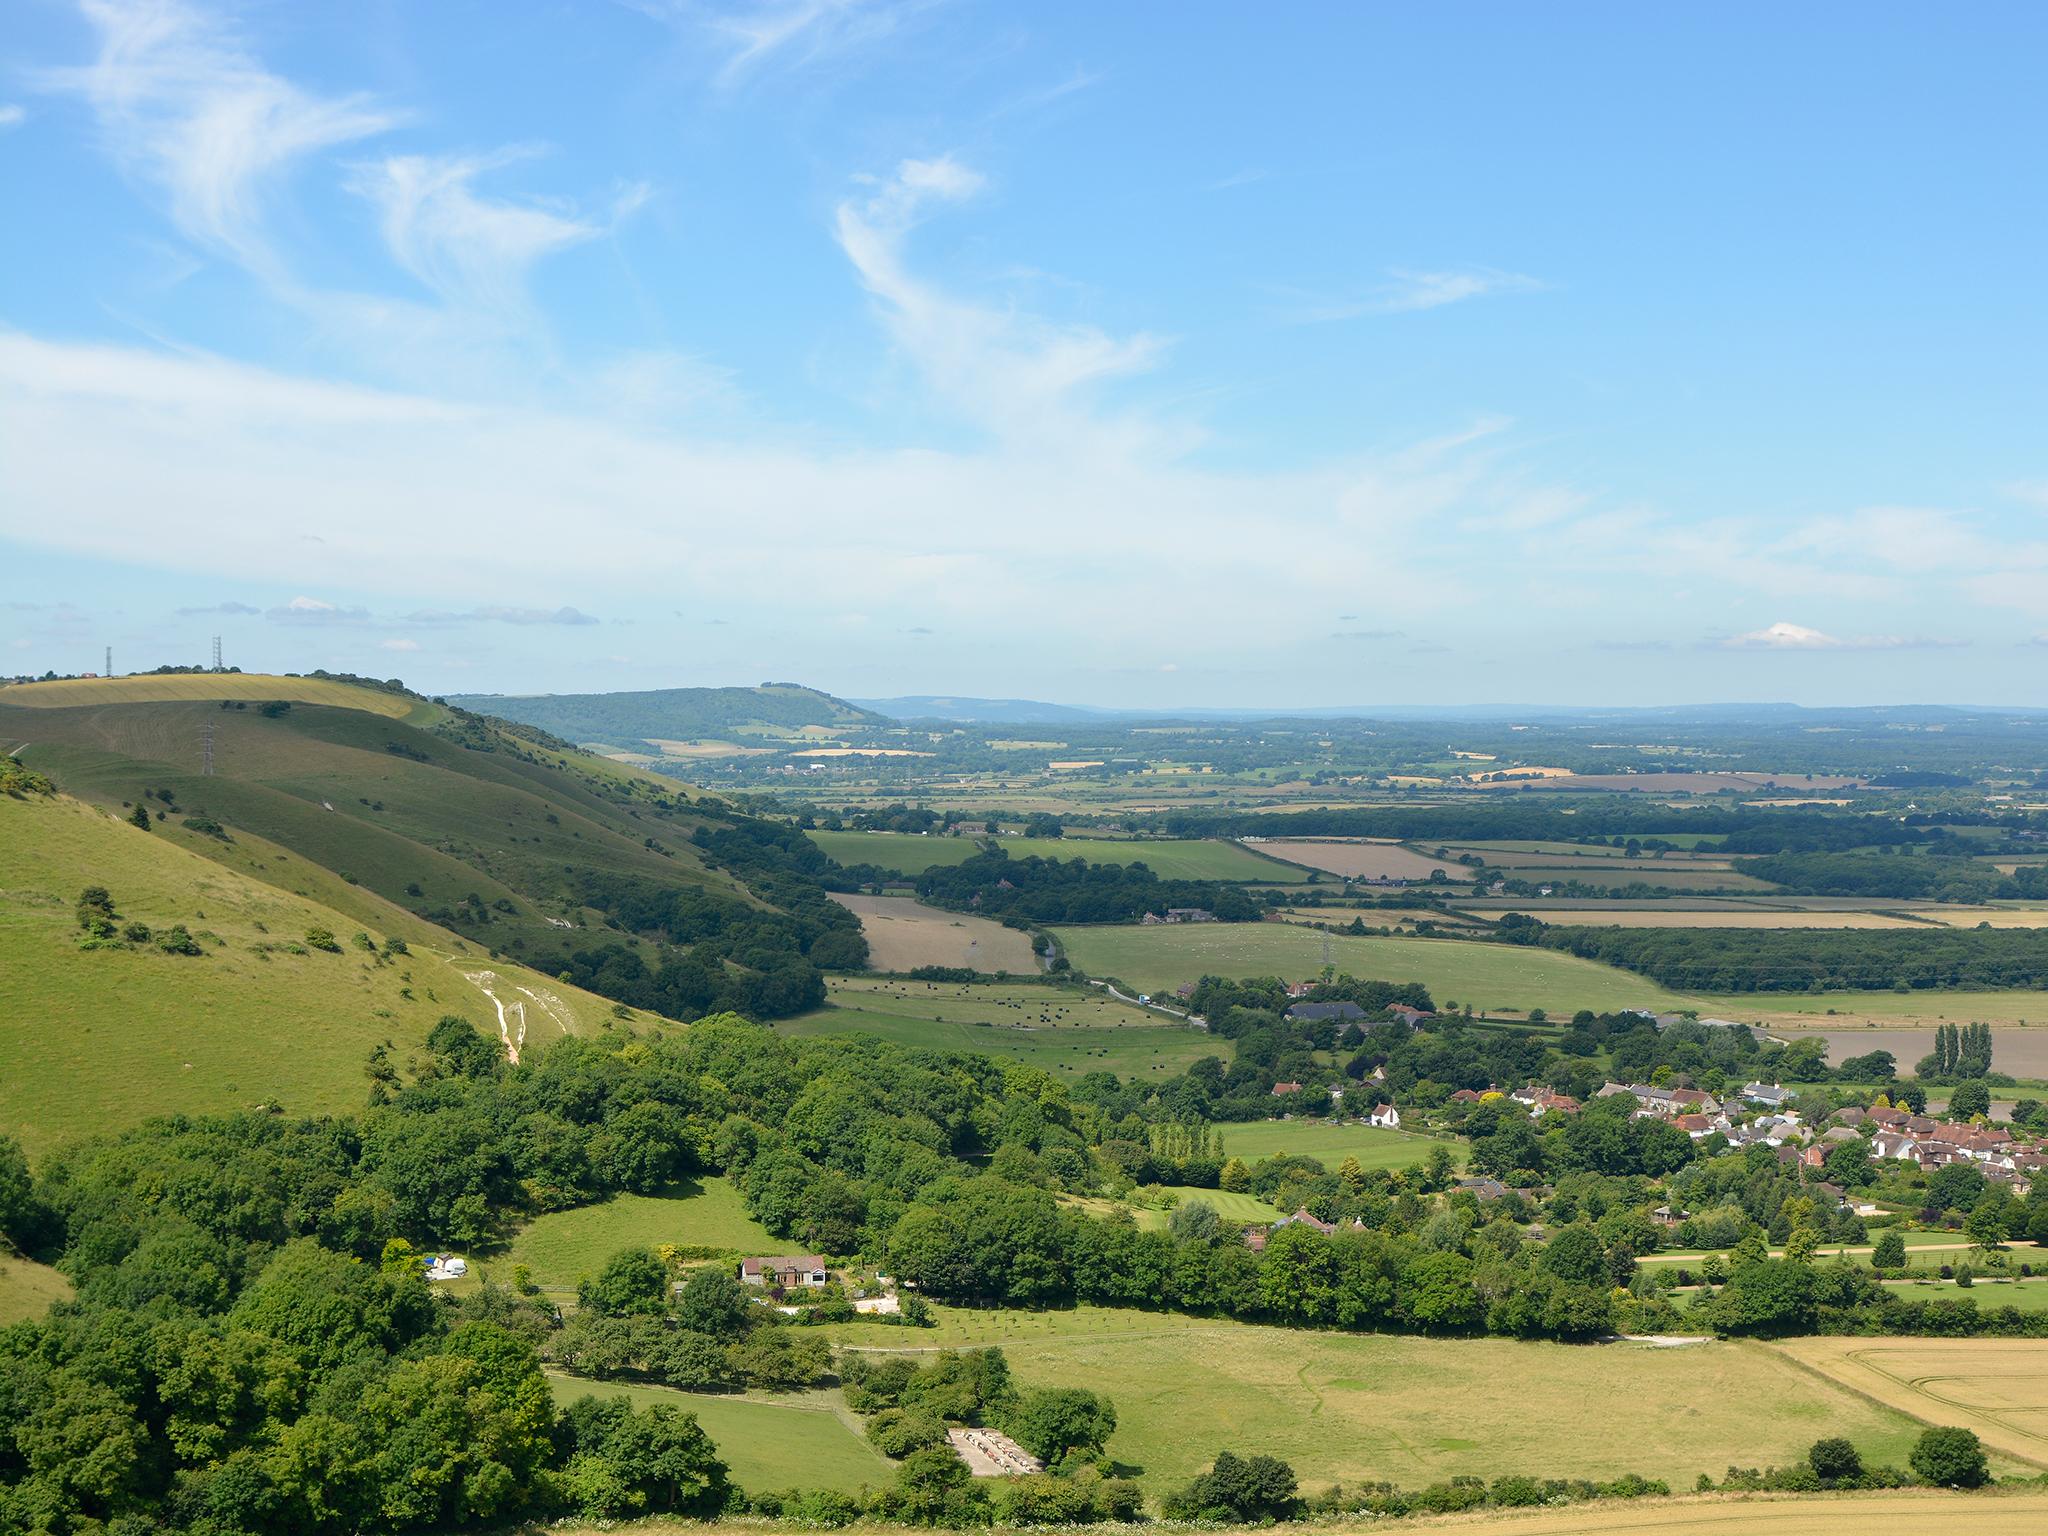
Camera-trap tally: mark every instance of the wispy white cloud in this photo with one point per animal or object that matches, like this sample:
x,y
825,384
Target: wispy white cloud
x,y
12,115
469,249
1014,373
187,108
1406,291
225,610
790,33
400,644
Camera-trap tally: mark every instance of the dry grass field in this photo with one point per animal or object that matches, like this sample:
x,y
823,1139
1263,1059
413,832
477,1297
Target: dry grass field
x,y
1759,917
1359,859
1351,1407
2018,1513
2021,1051
902,935
1998,1387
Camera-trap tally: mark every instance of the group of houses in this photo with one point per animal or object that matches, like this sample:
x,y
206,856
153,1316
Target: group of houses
x,y
1931,1143
1346,1012
1177,915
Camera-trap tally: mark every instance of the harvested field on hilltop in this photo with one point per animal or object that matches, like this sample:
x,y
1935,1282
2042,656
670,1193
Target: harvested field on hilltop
x,y
1352,1407
1754,918
1683,783
1360,859
73,693
2023,1052
903,934
1059,1029
1998,1387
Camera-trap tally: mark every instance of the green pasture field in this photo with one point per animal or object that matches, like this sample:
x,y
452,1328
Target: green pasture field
x,y
1060,1029
565,1247
1168,858
96,1040
1232,1207
1942,1247
2025,1295
26,1289
1330,1144
1501,978
1414,1410
1491,977
770,1442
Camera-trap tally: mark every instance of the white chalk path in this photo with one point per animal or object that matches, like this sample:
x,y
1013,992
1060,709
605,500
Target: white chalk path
x,y
484,981
554,1008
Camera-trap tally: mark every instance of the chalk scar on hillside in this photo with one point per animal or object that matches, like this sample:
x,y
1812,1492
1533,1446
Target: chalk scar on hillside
x,y
508,1017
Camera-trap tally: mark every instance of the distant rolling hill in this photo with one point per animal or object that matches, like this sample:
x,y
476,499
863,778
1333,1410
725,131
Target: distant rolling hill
x,y
674,714
932,706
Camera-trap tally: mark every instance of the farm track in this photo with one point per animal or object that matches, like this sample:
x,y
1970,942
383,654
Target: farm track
x,y
1945,1381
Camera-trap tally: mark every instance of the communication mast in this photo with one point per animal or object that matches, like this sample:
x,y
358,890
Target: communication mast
x,y
216,653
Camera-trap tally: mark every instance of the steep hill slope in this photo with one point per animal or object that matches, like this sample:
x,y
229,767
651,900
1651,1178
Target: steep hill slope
x,y
99,1037
522,844
676,714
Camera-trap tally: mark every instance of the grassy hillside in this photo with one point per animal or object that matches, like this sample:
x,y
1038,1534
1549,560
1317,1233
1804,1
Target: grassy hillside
x,y
254,687
96,1038
673,713
423,815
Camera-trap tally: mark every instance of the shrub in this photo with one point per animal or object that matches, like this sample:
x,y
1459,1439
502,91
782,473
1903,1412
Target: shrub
x,y
1835,1460
320,938
1950,1458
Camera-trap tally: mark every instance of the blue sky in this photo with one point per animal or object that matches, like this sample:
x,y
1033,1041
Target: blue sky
x,y
1146,353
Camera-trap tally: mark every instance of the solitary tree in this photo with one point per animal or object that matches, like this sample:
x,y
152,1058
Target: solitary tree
x,y
1950,1458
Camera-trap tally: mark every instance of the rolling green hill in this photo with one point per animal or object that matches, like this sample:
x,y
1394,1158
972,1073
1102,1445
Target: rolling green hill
x,y
675,714
97,1038
364,797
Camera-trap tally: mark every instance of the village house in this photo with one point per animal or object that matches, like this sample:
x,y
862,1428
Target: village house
x,y
1310,1013
1412,1017
1281,1090
1385,1116
1541,1101
785,1273
1769,1095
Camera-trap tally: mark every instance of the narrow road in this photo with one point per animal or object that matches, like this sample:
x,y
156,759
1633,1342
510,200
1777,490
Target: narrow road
x,y
1171,1013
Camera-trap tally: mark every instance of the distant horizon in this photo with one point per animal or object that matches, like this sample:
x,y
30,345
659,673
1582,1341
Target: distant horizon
x,y
1384,709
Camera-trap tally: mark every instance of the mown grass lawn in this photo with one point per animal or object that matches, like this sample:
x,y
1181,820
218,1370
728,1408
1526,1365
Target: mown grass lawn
x,y
1331,1144
771,1443
564,1247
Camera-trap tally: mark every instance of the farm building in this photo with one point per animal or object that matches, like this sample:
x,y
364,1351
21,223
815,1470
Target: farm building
x,y
785,1273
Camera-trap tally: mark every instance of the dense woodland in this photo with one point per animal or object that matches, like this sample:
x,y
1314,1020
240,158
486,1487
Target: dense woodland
x,y
1037,890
